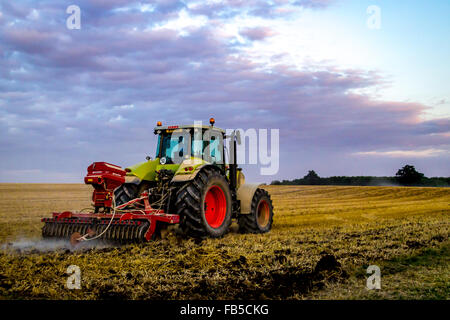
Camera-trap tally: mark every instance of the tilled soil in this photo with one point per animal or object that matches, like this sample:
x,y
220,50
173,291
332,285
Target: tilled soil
x,y
317,242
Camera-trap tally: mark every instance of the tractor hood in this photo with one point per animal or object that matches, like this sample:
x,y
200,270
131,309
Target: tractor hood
x,y
147,170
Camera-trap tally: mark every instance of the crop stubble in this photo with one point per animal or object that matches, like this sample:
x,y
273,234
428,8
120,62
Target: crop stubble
x,y
322,239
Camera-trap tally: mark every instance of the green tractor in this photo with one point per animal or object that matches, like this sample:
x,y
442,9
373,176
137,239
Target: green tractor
x,y
189,183
190,177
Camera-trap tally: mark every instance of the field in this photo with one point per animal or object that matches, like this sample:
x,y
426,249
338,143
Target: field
x,y
321,244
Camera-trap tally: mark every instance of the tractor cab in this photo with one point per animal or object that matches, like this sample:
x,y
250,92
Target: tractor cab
x,y
178,143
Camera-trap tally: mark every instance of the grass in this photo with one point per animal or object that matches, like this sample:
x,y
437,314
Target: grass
x,y
321,243
422,275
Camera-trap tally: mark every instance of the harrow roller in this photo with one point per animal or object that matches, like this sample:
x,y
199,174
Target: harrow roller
x,y
116,232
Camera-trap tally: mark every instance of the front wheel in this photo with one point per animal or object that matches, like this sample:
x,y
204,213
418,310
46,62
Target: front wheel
x,y
260,218
204,205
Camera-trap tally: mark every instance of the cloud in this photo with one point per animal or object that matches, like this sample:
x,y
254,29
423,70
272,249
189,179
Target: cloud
x,y
257,33
70,97
406,153
232,8
124,107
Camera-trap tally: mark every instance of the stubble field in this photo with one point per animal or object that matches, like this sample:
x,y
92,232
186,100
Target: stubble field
x,y
322,241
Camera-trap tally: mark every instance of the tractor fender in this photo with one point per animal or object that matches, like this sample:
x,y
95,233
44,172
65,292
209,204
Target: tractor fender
x,y
191,176
132,179
245,195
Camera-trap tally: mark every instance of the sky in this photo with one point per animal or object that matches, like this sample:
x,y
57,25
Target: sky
x,y
351,90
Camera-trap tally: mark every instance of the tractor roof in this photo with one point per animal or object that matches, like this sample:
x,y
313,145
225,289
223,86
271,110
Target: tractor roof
x,y
170,128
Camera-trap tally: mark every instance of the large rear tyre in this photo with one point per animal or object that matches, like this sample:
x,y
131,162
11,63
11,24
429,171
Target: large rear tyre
x,y
125,193
204,205
260,218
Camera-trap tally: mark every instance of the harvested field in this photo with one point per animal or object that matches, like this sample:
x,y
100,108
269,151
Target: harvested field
x,y
321,243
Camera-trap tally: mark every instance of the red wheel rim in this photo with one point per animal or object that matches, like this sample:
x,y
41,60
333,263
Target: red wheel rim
x,y
215,207
263,213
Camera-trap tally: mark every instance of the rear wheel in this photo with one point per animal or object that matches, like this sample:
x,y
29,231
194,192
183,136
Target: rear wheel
x,y
261,215
204,205
125,193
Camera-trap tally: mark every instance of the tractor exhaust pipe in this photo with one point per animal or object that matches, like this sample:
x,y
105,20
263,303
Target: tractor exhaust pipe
x,y
233,168
235,138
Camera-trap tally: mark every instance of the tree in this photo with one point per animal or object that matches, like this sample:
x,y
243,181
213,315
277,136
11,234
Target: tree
x,y
408,175
312,178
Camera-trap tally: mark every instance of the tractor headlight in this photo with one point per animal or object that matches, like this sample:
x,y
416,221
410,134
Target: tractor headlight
x,y
163,160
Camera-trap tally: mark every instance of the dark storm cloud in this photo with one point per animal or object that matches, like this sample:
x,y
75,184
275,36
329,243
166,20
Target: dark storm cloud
x,y
70,97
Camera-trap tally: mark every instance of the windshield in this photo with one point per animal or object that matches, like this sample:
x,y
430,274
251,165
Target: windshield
x,y
176,147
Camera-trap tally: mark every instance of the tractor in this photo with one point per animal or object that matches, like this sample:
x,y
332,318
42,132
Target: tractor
x,y
189,183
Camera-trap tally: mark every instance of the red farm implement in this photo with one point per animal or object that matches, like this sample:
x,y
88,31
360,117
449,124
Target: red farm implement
x,y
134,221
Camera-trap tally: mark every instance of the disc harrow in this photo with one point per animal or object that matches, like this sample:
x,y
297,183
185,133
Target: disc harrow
x,y
134,221
126,231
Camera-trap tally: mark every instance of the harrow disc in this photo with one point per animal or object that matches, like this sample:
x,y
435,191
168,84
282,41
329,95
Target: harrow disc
x,y
75,238
73,229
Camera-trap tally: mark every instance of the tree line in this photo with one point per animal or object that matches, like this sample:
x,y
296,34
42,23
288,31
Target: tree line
x,y
406,176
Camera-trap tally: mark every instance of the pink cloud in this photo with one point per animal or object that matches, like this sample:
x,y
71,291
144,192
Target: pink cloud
x,y
257,33
72,79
